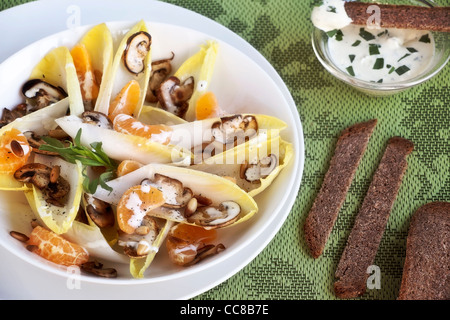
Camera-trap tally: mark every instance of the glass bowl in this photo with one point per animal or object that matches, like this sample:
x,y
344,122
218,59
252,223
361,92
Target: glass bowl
x,y
440,59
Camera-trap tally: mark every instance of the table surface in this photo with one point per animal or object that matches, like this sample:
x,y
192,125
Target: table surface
x,y
280,31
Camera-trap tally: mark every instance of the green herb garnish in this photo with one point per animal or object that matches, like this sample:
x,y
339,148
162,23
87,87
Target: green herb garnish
x,y
352,57
379,64
350,71
412,50
366,35
425,38
336,33
406,55
382,33
356,43
374,49
89,157
401,70
331,9
392,69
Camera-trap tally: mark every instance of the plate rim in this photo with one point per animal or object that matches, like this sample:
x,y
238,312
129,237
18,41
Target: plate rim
x,y
298,160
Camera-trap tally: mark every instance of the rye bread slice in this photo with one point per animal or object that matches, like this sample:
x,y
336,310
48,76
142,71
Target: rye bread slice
x,y
426,272
370,223
349,150
402,16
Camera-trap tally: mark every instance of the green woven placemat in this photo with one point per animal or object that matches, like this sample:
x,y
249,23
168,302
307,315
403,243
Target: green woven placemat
x,y
280,30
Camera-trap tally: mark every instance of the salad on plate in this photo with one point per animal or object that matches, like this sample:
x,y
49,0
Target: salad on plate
x,y
136,155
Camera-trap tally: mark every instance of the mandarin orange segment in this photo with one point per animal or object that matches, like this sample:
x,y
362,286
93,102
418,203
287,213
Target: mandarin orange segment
x,y
55,248
193,234
135,203
127,166
184,241
127,124
126,101
207,106
14,151
85,72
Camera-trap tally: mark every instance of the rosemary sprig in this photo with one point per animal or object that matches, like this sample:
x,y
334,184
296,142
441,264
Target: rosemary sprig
x,y
89,157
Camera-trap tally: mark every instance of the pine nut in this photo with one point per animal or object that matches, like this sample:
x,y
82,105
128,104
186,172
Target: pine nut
x,y
17,149
19,236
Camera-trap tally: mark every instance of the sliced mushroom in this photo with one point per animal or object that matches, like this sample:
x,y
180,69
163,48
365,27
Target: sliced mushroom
x,y
216,217
206,251
160,71
96,118
174,95
234,129
185,252
18,111
96,268
100,212
41,93
26,173
39,175
255,172
175,194
35,141
138,46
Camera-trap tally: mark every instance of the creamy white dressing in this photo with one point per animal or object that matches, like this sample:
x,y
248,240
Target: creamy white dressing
x,y
381,55
134,204
330,15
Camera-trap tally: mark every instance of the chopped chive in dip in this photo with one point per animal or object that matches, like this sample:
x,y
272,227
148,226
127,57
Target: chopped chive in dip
x,y
366,35
356,43
425,38
382,33
331,9
406,55
379,64
352,57
392,69
380,81
401,70
412,50
350,71
335,33
374,49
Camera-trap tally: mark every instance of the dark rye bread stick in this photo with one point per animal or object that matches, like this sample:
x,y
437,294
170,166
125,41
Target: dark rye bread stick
x,y
402,16
364,239
349,150
426,272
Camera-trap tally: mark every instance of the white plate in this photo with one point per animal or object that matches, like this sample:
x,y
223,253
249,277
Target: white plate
x,y
253,236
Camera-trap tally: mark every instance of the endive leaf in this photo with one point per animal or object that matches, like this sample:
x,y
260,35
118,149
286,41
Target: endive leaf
x,y
229,163
119,76
99,45
58,219
91,238
154,115
138,266
58,69
201,67
131,147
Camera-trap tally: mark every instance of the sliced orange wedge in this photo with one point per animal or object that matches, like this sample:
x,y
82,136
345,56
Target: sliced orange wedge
x,y
129,125
207,106
55,248
135,203
85,72
126,101
127,166
14,151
